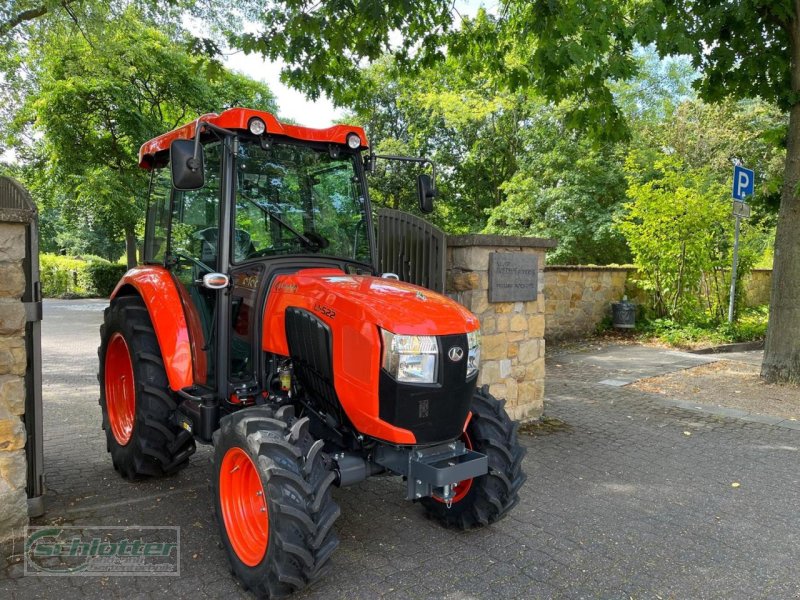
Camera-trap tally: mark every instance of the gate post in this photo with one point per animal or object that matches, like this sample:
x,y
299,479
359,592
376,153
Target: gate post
x,y
501,280
20,365
13,364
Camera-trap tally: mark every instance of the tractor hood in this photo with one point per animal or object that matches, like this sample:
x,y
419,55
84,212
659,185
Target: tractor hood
x,y
399,307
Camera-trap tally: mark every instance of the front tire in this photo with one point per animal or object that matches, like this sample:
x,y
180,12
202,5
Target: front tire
x,y
272,499
488,498
137,405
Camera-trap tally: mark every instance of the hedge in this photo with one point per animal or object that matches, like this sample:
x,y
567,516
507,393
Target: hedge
x,y
68,277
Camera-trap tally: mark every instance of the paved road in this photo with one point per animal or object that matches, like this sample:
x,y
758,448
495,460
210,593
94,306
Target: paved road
x,y
620,503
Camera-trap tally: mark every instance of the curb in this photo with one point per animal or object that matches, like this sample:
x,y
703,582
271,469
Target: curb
x,y
731,413
739,347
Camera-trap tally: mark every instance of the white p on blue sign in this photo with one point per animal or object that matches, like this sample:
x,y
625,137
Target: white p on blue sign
x,y
743,181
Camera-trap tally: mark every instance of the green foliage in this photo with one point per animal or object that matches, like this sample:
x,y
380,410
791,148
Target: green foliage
x,y
741,48
567,189
78,277
750,326
60,276
679,229
324,46
458,118
94,92
103,277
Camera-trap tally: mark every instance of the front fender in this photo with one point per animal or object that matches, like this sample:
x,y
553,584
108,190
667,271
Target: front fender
x,y
160,294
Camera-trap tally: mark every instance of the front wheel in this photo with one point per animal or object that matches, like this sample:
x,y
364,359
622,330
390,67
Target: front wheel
x,y
488,498
272,498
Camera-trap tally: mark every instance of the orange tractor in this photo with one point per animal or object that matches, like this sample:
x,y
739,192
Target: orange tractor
x,y
259,323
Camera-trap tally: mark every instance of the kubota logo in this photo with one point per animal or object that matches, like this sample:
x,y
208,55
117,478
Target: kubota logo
x,y
456,353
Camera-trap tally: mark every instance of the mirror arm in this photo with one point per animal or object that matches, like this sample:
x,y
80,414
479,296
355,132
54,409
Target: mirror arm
x,y
194,162
200,127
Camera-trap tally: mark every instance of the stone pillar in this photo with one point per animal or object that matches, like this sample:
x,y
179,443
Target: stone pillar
x,y
13,363
512,353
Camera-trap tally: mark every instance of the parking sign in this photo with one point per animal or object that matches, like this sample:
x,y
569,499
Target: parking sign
x,y
743,180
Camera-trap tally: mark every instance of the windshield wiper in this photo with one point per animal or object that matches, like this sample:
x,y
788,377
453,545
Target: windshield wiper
x,y
306,242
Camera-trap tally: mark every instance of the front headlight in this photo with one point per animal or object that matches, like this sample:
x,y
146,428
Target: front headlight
x,y
474,352
410,358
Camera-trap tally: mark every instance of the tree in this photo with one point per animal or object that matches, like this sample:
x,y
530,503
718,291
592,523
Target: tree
x,y
459,118
678,227
567,189
748,49
96,93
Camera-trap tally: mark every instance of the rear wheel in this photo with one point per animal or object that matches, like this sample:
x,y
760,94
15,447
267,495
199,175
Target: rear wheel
x,y
488,498
137,405
272,498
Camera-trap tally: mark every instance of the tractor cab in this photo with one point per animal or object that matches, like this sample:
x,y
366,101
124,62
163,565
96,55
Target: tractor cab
x,y
238,198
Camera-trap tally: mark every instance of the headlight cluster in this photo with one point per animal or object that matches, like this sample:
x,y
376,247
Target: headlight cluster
x,y
410,358
415,358
474,352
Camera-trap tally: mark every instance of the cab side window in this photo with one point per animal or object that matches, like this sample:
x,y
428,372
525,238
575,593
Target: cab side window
x,y
158,217
195,218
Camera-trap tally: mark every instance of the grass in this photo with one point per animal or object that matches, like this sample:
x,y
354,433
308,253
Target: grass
x,y
751,325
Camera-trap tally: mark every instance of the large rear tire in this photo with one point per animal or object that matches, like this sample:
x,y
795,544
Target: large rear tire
x,y
485,499
272,499
138,406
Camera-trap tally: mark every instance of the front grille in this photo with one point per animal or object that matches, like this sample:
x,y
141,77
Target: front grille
x,y
436,412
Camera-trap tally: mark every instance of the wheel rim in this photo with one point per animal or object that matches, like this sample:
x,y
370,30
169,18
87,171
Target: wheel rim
x,y
462,487
244,507
120,389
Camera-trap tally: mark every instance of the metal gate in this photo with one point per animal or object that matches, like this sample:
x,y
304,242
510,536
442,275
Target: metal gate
x,y
16,206
412,248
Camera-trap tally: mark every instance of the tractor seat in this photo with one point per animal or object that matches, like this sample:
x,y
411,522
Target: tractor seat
x,y
209,239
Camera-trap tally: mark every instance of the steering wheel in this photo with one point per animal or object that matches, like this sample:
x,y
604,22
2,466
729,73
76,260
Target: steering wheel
x,y
320,241
276,249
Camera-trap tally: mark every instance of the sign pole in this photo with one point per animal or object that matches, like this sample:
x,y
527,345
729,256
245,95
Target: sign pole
x,y
743,184
733,271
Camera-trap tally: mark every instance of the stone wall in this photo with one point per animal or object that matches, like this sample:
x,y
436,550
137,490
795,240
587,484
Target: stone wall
x,y
512,352
579,298
13,362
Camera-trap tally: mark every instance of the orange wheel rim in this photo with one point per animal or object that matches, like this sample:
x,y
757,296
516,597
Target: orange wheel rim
x,y
120,389
462,487
243,506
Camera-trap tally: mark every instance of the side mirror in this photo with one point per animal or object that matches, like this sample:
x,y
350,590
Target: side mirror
x,y
426,193
188,170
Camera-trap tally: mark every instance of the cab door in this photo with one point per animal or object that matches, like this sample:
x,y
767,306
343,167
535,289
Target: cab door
x,y
193,252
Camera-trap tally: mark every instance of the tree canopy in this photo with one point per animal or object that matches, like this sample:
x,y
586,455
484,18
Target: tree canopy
x,y
92,95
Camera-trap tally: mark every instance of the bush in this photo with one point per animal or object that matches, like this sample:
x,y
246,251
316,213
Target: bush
x,y
103,277
67,277
752,325
60,276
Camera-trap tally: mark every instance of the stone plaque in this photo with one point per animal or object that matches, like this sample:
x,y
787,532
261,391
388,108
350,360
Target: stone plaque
x,y
513,277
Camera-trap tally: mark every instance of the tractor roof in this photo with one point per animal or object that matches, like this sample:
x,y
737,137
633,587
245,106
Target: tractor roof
x,y
239,119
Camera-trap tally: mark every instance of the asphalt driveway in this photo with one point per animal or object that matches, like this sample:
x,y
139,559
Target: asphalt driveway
x,y
631,497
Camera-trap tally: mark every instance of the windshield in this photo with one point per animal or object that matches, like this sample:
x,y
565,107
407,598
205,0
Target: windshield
x,y
294,199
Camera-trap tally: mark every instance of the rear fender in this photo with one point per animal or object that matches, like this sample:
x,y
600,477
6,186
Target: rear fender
x,y
160,294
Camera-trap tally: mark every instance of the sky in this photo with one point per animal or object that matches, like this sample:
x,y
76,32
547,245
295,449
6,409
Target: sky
x,y
293,104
